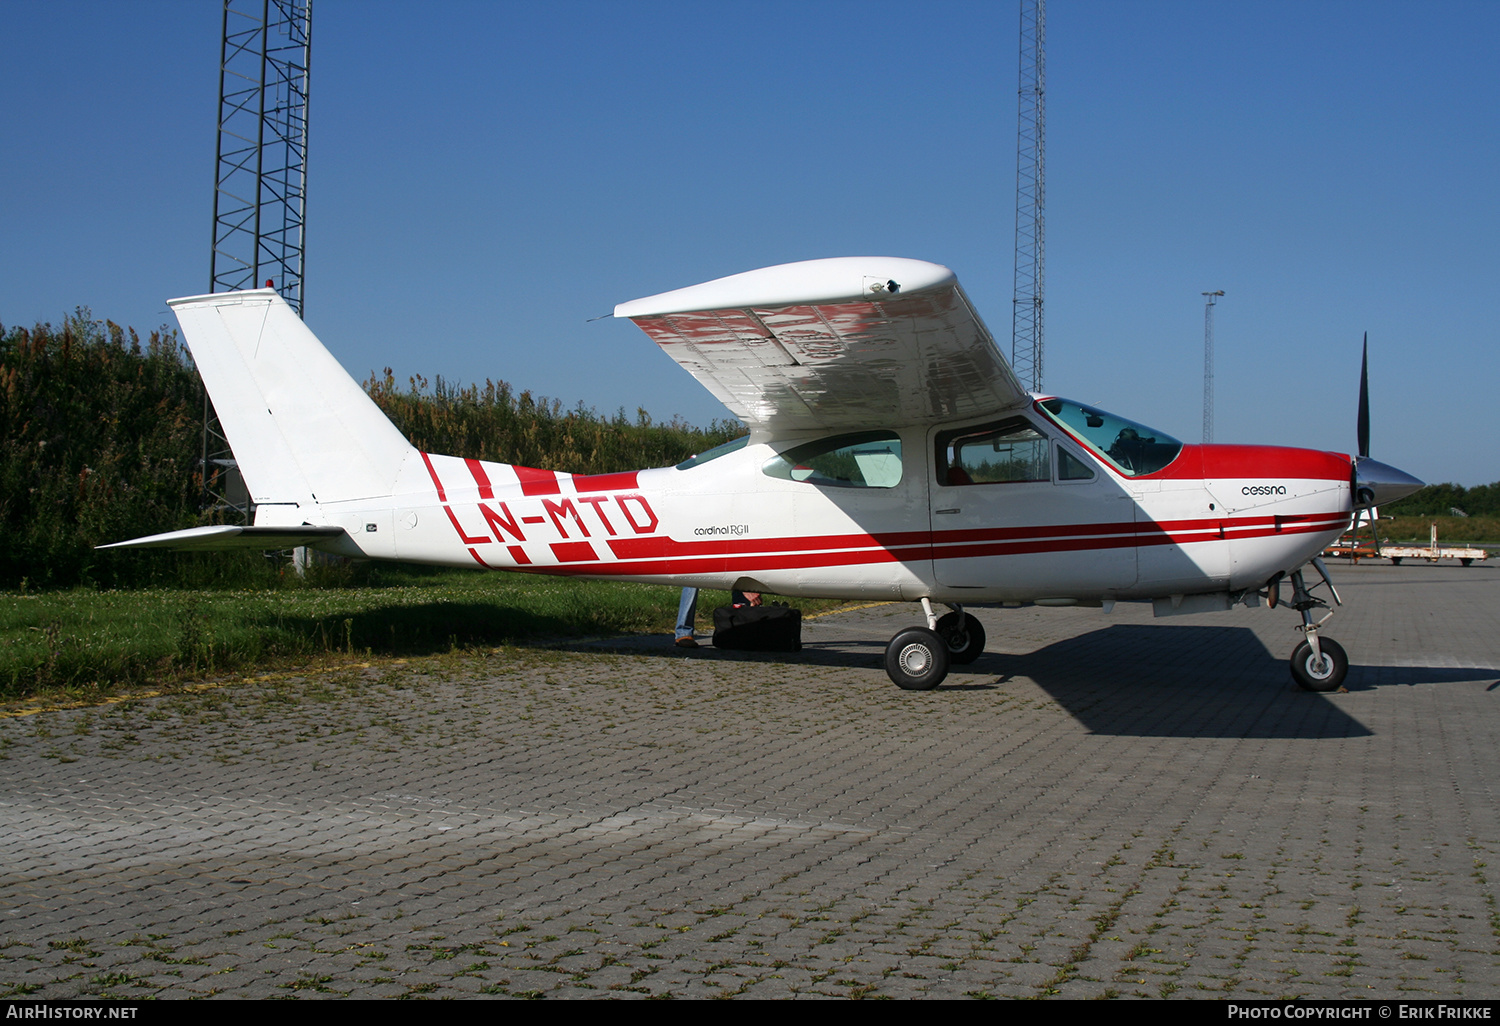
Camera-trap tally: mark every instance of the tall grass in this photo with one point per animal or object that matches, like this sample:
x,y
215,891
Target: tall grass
x,y
493,422
100,440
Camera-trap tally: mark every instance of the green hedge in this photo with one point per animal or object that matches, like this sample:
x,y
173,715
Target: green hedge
x,y
100,440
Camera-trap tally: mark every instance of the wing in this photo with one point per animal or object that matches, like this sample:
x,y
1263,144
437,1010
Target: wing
x,y
840,343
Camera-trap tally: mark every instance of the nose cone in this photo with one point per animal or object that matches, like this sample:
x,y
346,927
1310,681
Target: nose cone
x,y
1375,483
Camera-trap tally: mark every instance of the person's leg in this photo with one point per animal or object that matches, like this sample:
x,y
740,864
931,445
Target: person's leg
x,y
687,612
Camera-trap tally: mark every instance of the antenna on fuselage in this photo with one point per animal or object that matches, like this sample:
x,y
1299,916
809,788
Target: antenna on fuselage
x,y
1208,365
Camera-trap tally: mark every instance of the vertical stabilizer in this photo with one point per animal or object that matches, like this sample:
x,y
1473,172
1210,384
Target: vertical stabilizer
x,y
301,428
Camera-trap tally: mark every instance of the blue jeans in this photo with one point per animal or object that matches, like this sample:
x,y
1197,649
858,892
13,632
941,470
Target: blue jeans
x,y
687,612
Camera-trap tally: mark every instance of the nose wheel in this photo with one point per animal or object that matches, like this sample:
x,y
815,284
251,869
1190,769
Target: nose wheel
x,y
1320,671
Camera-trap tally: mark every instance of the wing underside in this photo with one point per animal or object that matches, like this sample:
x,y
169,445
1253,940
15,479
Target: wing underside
x,y
887,342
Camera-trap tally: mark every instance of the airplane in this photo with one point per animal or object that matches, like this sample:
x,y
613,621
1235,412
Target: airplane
x,y
892,454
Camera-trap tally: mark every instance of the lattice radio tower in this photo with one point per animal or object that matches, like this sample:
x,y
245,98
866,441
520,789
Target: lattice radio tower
x,y
260,175
1031,197
260,185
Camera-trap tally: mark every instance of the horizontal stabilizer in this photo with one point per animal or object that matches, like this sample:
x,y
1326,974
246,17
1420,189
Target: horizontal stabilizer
x,y
207,539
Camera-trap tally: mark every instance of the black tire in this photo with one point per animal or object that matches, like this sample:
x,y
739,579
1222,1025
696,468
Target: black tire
x,y
1465,562
917,659
1395,561
1310,676
964,635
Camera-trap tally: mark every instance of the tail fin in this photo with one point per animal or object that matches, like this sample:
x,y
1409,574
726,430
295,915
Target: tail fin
x,y
301,428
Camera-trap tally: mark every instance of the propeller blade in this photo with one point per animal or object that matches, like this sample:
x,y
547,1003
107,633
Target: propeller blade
x,y
1363,427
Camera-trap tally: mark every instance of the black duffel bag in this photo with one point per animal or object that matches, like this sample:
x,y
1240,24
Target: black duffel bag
x,y
758,628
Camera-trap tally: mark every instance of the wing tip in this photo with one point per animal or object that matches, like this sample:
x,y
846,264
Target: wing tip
x,y
223,298
828,280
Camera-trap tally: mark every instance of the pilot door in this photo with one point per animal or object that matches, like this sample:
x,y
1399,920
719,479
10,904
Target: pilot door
x,y
1019,514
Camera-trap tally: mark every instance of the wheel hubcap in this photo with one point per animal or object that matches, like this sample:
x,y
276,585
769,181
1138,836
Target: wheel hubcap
x,y
915,659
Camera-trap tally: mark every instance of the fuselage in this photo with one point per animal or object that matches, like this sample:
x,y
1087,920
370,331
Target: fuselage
x,y
1036,505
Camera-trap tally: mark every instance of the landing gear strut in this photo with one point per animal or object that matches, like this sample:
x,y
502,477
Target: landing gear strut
x,y
1318,663
917,659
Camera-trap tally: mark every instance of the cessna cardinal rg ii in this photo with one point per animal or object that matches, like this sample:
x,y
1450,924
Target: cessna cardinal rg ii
x,y
892,454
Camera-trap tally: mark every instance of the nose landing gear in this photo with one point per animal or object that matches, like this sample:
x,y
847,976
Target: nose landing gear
x,y
1318,663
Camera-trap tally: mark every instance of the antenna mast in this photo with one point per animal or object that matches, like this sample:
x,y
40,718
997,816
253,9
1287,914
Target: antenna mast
x,y
1208,364
1026,316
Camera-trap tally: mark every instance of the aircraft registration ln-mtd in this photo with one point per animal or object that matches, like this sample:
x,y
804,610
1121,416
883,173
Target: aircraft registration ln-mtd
x,y
892,454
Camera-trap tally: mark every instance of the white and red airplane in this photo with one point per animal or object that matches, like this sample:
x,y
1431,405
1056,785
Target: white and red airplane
x,y
892,454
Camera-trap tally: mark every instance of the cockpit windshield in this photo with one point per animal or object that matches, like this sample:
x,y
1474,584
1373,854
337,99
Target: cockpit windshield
x,y
1134,449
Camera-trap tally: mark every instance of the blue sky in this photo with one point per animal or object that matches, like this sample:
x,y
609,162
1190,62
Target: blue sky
x,y
485,177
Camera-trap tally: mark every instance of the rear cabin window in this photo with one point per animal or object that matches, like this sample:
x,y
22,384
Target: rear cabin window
x,y
871,459
1002,453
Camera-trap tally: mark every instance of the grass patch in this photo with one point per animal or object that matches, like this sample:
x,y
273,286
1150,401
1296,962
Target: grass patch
x,y
81,641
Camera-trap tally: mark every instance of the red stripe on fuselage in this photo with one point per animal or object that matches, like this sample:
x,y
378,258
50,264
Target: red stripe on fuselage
x,y
1253,462
605,482
435,482
574,552
537,482
476,469
668,556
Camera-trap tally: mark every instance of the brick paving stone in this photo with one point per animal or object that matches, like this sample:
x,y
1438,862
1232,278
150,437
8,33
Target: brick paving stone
x,y
1098,806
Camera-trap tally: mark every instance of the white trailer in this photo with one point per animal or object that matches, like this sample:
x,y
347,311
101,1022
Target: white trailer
x,y
1433,552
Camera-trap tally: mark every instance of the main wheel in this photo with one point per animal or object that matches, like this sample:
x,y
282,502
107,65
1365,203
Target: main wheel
x,y
917,659
1324,676
964,635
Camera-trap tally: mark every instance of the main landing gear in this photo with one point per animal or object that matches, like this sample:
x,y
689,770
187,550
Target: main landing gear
x,y
917,659
1318,663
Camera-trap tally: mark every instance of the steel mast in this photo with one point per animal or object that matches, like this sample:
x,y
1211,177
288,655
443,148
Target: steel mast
x,y
260,186
260,173
1208,364
1026,317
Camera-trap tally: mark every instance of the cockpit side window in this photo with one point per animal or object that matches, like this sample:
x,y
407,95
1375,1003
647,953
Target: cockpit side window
x,y
1071,468
870,459
1132,449
1010,451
